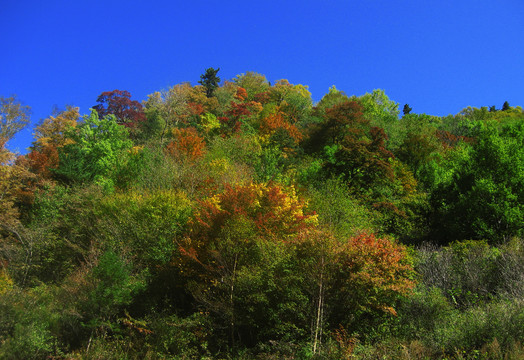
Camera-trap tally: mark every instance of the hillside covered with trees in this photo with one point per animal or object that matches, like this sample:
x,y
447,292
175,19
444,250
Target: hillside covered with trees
x,y
241,220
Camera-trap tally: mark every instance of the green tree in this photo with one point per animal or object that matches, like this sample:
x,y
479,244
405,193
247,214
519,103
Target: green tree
x,y
98,151
482,197
378,108
332,98
352,148
209,80
253,82
407,109
506,106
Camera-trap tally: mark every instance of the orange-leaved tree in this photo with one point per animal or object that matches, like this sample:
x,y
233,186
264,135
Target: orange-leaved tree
x,y
50,135
276,122
187,144
235,257
369,276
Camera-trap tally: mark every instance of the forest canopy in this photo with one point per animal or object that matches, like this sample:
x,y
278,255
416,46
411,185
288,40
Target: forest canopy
x,y
242,219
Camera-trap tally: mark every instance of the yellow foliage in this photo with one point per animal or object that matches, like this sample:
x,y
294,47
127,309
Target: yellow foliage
x,y
6,283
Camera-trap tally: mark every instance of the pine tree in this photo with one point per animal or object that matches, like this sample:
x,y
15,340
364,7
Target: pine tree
x,y
210,81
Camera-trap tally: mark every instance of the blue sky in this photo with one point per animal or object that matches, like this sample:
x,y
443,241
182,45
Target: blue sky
x,y
438,56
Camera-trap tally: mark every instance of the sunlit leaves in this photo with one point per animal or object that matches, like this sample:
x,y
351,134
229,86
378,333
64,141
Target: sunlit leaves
x,y
97,151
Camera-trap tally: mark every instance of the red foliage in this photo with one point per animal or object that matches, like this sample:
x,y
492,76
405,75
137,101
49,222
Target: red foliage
x,y
263,97
195,109
237,112
118,102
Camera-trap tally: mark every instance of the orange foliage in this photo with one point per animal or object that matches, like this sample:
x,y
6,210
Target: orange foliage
x,y
238,219
195,109
270,124
241,94
187,144
50,135
450,140
41,162
273,212
374,266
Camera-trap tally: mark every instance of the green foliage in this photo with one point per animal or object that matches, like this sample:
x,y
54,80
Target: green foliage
x,y
192,242
339,211
420,314
114,284
253,82
379,109
182,337
210,81
30,324
483,198
98,152
332,98
147,225
478,326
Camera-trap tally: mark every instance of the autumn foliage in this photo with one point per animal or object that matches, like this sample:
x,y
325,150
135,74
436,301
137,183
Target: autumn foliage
x,y
187,144
373,271
118,102
244,220
272,123
274,213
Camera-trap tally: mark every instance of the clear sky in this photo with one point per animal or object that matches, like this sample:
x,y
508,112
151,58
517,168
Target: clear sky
x,y
438,56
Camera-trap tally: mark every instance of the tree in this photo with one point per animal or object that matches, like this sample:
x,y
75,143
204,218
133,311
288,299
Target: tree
x,y
209,80
118,102
98,149
15,243
505,106
482,195
332,98
168,108
369,275
352,148
50,135
187,145
407,109
236,262
253,82
378,108
13,117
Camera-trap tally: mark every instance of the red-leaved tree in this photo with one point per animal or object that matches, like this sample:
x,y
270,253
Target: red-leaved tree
x,y
118,102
